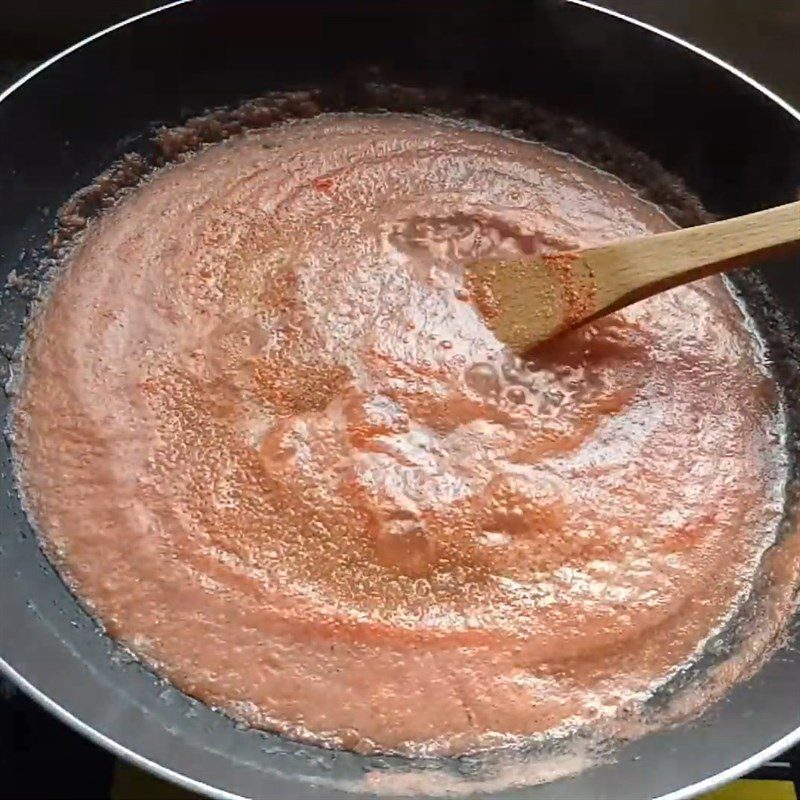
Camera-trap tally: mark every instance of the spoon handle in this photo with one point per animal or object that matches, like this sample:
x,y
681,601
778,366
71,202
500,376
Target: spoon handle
x,y
633,269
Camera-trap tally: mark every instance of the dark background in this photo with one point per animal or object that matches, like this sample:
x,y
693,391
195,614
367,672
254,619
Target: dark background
x,y
39,757
761,37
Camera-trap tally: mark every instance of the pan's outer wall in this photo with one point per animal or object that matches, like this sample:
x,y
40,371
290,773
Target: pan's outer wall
x,y
737,149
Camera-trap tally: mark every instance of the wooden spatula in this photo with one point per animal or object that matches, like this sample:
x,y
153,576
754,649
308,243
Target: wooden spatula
x,y
529,300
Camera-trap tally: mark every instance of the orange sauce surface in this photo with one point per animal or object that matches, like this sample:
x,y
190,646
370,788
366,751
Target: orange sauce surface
x,y
270,441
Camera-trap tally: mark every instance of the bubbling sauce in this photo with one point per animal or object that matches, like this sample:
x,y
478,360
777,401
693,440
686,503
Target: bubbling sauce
x,y
270,441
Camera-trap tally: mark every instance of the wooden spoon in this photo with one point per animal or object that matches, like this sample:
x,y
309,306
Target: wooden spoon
x,y
529,300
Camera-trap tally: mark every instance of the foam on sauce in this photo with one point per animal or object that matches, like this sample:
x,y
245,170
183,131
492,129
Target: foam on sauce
x,y
270,441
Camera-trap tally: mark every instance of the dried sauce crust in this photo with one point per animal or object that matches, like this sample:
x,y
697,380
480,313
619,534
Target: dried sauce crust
x,y
286,461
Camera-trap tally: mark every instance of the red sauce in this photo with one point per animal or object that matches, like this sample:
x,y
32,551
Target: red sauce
x,y
271,442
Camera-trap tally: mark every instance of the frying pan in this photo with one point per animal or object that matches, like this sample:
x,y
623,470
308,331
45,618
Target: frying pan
x,y
734,143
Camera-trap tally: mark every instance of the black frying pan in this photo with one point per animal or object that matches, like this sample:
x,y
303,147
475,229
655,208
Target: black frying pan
x,y
733,144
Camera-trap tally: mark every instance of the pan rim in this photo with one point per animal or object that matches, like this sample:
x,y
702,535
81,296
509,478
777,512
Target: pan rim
x,y
192,784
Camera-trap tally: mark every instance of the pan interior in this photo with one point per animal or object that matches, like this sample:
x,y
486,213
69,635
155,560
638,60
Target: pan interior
x,y
542,760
